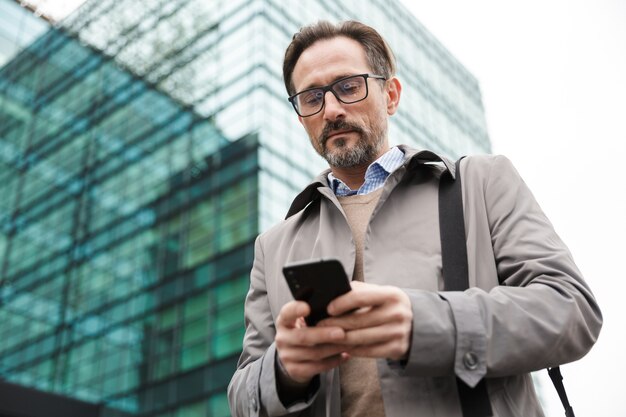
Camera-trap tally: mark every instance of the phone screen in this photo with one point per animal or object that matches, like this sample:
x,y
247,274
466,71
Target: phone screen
x,y
317,282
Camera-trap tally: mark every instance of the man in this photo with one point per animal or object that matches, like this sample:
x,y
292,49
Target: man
x,y
396,343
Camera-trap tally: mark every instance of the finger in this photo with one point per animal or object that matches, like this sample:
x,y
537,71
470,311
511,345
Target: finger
x,y
306,370
388,313
308,336
360,284
290,313
308,354
371,351
359,297
361,318
376,335
300,323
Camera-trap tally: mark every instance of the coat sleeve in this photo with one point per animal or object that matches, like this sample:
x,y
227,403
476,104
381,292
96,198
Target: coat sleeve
x,y
253,388
542,315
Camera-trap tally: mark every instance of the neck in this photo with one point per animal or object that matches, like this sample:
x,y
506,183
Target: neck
x,y
353,177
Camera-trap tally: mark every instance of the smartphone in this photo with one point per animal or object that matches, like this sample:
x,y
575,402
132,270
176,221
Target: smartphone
x,y
318,282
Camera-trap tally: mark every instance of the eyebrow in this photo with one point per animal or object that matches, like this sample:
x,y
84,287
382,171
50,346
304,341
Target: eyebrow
x,y
339,77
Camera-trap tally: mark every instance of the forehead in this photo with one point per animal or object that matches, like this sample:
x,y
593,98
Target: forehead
x,y
329,59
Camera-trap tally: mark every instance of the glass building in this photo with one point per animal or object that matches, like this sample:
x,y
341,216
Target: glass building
x,y
143,146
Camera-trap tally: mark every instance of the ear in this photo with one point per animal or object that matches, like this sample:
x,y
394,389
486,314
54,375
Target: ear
x,y
393,90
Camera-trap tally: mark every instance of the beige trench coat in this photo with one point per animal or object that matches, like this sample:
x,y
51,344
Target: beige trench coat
x,y
542,315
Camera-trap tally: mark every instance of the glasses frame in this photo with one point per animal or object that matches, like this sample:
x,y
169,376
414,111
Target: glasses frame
x,y
329,87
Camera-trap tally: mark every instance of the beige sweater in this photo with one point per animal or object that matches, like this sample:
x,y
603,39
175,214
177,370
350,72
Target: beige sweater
x,y
360,388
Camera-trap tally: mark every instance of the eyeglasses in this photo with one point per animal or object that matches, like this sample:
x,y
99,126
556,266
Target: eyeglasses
x,y
347,90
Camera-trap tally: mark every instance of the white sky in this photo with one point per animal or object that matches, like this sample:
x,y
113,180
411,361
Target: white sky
x,y
55,9
553,77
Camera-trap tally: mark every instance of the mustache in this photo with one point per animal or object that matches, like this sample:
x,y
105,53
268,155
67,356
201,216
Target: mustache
x,y
337,125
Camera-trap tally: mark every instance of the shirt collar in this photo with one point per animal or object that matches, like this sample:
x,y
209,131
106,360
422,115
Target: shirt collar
x,y
412,159
376,172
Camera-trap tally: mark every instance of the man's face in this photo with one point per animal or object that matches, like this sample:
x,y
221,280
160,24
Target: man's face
x,y
346,135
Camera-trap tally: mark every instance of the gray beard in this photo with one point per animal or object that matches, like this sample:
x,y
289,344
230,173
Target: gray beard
x,y
362,153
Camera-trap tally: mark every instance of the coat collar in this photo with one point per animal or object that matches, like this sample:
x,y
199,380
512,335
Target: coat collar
x,y
413,158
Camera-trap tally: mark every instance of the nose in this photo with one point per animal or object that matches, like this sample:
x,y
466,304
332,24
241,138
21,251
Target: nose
x,y
333,108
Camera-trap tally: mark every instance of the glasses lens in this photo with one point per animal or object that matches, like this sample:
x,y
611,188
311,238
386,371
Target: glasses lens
x,y
350,90
309,102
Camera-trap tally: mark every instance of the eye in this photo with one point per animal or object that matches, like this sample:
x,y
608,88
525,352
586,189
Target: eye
x,y
349,87
312,98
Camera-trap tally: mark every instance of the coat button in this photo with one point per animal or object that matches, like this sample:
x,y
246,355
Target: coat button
x,y
470,360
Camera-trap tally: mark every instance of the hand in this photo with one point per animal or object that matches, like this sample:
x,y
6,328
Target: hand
x,y
377,320
306,351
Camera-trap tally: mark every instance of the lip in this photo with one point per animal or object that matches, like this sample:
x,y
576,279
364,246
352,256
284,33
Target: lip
x,y
339,132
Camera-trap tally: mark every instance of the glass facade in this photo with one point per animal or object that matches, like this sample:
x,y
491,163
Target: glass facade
x,y
18,28
143,146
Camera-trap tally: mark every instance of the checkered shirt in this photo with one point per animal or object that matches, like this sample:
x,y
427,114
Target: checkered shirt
x,y
375,176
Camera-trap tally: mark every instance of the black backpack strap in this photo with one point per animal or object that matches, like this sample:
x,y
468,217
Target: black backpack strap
x,y
474,401
557,380
452,231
